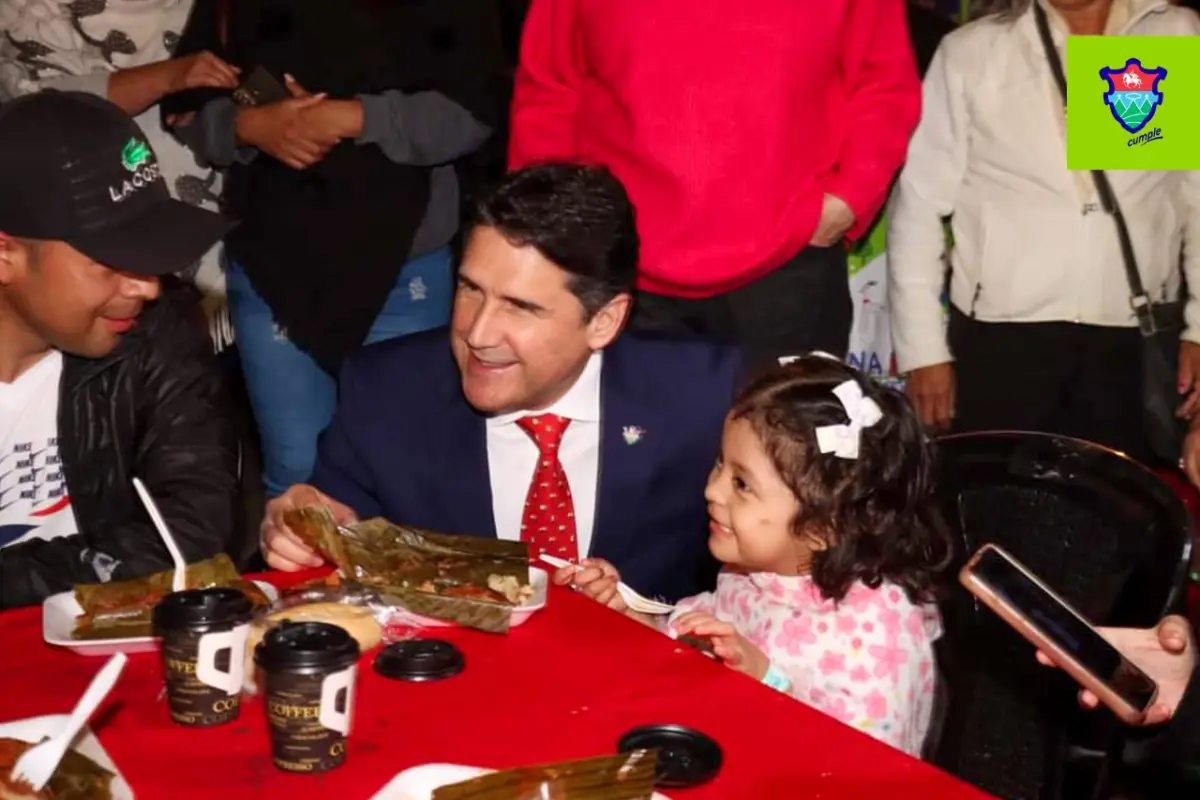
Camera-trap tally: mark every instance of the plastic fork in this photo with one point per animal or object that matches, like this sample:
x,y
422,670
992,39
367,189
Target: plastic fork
x,y
38,764
179,579
635,601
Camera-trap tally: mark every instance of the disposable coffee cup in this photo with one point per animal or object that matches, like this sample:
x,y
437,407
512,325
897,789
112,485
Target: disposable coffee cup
x,y
203,634
308,677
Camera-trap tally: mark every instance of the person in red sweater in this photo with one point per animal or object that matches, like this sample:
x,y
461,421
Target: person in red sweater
x,y
753,138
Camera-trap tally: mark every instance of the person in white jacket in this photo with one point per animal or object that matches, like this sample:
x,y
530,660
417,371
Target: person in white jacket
x,y
1041,333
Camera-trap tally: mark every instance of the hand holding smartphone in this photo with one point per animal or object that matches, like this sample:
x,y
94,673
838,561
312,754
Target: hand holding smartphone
x,y
1005,586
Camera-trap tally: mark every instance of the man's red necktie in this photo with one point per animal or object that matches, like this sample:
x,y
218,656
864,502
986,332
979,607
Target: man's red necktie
x,y
548,522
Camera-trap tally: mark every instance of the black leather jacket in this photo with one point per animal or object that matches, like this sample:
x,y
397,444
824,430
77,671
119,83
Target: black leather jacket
x,y
155,408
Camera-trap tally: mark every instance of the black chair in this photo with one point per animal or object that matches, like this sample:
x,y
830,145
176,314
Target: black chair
x,y
1110,537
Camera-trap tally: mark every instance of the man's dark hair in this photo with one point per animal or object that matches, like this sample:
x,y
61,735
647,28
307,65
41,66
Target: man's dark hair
x,y
578,217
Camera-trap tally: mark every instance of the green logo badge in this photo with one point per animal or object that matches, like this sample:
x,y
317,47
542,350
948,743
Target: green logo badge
x,y
134,154
1126,111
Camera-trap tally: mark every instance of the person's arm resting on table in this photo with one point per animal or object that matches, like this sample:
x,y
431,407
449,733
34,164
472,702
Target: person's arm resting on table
x,y
187,457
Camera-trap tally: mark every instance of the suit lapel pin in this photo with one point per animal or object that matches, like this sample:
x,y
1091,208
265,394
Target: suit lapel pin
x,y
632,434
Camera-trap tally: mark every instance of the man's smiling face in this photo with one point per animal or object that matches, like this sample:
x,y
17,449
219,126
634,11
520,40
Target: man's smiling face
x,y
520,336
73,303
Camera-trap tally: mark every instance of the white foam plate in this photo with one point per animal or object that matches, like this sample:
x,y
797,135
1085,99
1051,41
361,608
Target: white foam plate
x,y
35,729
58,620
539,579
418,783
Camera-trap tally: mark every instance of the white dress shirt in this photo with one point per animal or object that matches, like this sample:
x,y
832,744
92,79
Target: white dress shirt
x,y
513,457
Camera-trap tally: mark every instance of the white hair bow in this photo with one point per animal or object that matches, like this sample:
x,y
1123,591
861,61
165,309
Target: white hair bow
x,y
843,440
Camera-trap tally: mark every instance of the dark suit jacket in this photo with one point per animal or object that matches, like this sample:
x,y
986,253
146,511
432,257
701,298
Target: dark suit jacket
x,y
404,444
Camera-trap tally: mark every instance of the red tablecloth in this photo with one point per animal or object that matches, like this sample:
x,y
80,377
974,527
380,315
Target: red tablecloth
x,y
565,685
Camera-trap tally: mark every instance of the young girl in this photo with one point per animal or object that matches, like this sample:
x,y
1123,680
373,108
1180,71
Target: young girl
x,y
822,509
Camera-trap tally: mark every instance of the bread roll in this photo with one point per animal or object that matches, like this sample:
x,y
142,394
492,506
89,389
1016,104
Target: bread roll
x,y
358,621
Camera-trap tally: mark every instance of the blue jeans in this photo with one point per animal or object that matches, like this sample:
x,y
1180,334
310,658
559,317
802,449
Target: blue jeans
x,y
292,397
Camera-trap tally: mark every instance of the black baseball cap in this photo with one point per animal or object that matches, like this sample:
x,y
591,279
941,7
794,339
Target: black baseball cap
x,y
76,168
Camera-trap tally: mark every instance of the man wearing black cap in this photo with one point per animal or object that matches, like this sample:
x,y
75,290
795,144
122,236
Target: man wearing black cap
x,y
101,378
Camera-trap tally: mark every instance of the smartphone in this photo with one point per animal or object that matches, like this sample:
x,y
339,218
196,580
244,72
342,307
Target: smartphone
x,y
1005,586
260,88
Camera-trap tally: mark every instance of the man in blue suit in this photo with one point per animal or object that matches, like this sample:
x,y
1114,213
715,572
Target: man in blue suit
x,y
532,417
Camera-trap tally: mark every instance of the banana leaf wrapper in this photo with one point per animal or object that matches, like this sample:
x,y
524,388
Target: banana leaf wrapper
x,y
629,776
317,528
478,614
123,609
473,581
77,776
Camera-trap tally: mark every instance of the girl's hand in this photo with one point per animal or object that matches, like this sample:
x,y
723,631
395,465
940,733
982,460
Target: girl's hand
x,y
596,578
730,646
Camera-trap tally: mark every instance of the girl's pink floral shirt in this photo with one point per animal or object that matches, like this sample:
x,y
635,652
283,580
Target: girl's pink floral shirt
x,y
867,661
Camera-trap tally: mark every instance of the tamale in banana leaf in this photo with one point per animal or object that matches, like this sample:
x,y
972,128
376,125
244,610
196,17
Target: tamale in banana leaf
x,y
629,776
317,528
123,609
77,776
478,614
471,580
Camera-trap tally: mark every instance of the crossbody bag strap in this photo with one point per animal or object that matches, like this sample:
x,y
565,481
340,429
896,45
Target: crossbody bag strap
x,y
1108,200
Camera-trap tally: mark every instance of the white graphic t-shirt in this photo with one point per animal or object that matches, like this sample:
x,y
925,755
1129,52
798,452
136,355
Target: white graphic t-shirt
x,y
33,492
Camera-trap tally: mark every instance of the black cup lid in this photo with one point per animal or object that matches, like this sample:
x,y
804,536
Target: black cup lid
x,y
420,660
199,607
306,645
685,757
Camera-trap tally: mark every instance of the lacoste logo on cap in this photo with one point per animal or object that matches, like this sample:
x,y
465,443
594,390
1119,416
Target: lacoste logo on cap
x,y
134,154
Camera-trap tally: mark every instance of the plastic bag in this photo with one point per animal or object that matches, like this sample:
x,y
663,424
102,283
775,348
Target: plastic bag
x,y
361,610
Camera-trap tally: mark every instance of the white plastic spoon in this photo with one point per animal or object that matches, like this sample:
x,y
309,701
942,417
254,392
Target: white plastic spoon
x,y
179,581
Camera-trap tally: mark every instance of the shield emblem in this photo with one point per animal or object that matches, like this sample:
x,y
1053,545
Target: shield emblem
x,y
1133,95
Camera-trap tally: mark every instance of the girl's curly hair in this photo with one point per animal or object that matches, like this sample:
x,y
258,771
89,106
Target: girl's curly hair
x,y
878,513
